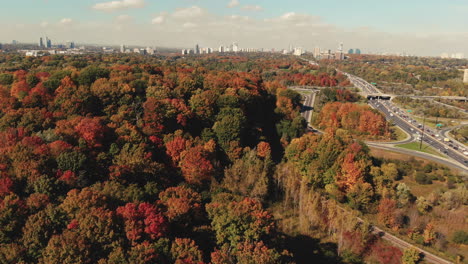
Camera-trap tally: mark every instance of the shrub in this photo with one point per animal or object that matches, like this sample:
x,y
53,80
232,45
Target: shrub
x,y
460,237
422,178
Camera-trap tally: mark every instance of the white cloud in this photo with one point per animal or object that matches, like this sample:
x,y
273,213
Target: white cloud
x,y
65,21
198,25
189,25
190,12
233,3
237,17
158,20
288,16
252,8
123,18
119,5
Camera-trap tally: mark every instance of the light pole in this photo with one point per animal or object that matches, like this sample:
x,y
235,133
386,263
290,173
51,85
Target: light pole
x,y
422,135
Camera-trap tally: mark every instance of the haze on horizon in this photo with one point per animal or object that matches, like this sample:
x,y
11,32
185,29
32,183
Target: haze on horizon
x,y
417,27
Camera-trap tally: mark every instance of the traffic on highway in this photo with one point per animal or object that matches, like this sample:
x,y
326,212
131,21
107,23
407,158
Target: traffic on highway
x,y
416,130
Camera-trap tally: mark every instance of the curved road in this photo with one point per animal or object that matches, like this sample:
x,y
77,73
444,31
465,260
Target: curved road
x,y
307,109
395,114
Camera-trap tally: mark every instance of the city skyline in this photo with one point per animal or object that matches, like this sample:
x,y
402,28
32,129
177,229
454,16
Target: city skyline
x,y
372,26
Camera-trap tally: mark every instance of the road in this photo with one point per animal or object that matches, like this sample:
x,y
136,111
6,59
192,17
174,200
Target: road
x,y
306,112
429,257
307,104
410,126
390,147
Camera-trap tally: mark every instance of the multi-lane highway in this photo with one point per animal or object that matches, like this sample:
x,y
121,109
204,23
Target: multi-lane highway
x,y
433,138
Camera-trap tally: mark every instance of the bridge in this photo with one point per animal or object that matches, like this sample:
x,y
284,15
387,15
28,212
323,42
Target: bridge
x,y
375,96
452,98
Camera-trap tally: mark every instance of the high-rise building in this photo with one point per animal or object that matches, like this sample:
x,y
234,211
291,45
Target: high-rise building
x,y
235,47
221,49
41,42
14,42
197,49
465,76
298,51
350,51
70,45
340,48
316,52
339,55
122,48
48,43
358,51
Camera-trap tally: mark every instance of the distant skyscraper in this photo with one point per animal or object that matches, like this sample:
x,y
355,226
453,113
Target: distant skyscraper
x,y
339,55
316,52
41,42
221,49
358,51
235,47
14,42
465,77
350,51
48,43
197,49
70,45
298,51
122,48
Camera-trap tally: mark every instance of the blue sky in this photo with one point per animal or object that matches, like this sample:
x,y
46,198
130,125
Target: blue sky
x,y
396,17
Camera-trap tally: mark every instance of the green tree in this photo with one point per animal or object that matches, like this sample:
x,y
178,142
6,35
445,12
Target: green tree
x,y
411,256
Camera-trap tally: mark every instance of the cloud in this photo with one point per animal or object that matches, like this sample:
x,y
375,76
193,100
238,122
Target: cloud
x,y
199,25
119,5
190,12
252,8
237,17
189,25
123,18
44,24
158,20
65,21
233,3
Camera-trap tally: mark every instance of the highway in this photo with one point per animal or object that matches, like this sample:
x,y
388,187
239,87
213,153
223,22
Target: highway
x,y
306,111
402,120
307,104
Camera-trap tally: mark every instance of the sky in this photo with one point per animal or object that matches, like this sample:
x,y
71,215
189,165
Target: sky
x,y
420,27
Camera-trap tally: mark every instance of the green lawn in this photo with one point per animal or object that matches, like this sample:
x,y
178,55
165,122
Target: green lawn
x,y
398,133
415,146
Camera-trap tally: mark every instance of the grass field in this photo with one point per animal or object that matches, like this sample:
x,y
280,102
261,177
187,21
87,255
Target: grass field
x,y
398,133
415,146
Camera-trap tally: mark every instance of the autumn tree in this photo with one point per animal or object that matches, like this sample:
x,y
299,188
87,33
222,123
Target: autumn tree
x,y
181,203
185,251
411,256
142,221
235,222
196,166
386,214
248,176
